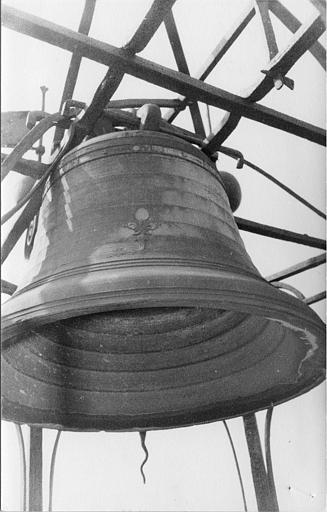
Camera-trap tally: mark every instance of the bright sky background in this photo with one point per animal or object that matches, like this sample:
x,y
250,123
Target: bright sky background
x,y
188,468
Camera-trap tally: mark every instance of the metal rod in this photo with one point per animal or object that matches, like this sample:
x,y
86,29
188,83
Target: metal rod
x,y
217,53
285,188
27,167
165,77
139,102
280,234
258,469
52,468
270,472
302,40
236,464
75,62
315,298
35,470
182,66
22,453
299,267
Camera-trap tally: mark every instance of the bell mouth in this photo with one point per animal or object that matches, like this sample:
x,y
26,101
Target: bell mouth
x,y
134,368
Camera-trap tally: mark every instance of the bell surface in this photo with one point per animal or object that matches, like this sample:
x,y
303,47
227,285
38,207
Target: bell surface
x,y
141,308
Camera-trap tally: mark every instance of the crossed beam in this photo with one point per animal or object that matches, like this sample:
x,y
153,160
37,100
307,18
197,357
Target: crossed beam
x,y
181,83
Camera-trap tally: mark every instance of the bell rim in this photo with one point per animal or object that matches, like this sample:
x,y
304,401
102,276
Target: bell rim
x,y
188,294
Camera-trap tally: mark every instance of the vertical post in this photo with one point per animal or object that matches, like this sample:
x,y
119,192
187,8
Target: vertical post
x,y
35,470
258,468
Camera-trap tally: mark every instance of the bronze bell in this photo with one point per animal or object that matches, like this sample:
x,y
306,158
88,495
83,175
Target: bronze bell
x,y
141,308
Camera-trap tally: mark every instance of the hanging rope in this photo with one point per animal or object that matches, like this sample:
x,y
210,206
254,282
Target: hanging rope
x,y
142,437
52,468
236,464
270,474
23,463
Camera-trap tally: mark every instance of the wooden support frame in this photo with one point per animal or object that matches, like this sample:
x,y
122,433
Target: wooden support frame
x,y
299,267
180,59
75,62
293,24
162,76
280,234
218,52
315,298
303,39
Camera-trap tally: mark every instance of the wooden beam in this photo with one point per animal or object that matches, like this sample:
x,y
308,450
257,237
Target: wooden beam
x,y
182,66
280,234
153,19
299,267
7,287
160,75
293,24
280,64
75,62
115,73
27,167
315,298
217,53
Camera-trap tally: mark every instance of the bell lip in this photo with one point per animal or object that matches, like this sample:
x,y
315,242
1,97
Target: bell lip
x,y
133,423
153,286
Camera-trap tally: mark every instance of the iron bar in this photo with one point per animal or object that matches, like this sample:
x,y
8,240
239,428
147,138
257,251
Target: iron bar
x,y
20,225
268,28
139,102
285,188
22,454
52,468
7,287
280,234
258,469
299,267
182,66
305,36
217,54
153,19
35,469
27,167
270,473
293,24
160,75
115,73
75,62
315,298
236,464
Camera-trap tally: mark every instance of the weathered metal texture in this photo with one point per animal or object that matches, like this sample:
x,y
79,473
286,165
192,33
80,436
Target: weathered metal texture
x,y
164,77
141,308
